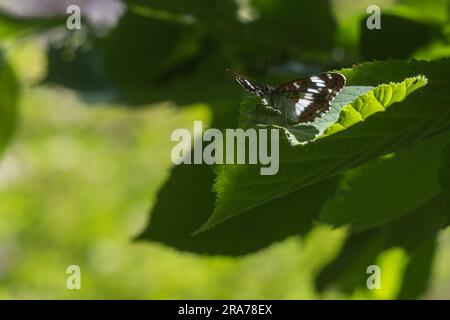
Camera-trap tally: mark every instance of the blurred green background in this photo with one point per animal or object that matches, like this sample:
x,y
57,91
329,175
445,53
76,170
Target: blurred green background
x,y
90,144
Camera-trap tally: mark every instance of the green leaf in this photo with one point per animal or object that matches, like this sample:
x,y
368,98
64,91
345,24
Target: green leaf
x,y
388,188
414,35
9,91
298,40
376,100
418,271
241,187
430,11
152,59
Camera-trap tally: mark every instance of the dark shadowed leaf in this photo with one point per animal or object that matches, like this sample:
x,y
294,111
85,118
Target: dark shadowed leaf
x,y
187,199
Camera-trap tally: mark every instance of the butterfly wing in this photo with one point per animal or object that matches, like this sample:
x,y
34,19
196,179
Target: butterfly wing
x,y
251,85
311,97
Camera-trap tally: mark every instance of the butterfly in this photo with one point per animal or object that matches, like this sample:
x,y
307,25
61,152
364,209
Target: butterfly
x,y
299,101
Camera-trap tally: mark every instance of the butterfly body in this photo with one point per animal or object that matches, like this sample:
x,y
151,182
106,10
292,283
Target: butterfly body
x,y
300,101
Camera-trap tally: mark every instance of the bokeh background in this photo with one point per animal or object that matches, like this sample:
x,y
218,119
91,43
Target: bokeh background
x,y
86,117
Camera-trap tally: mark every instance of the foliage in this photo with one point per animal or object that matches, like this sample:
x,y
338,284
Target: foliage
x,y
366,184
